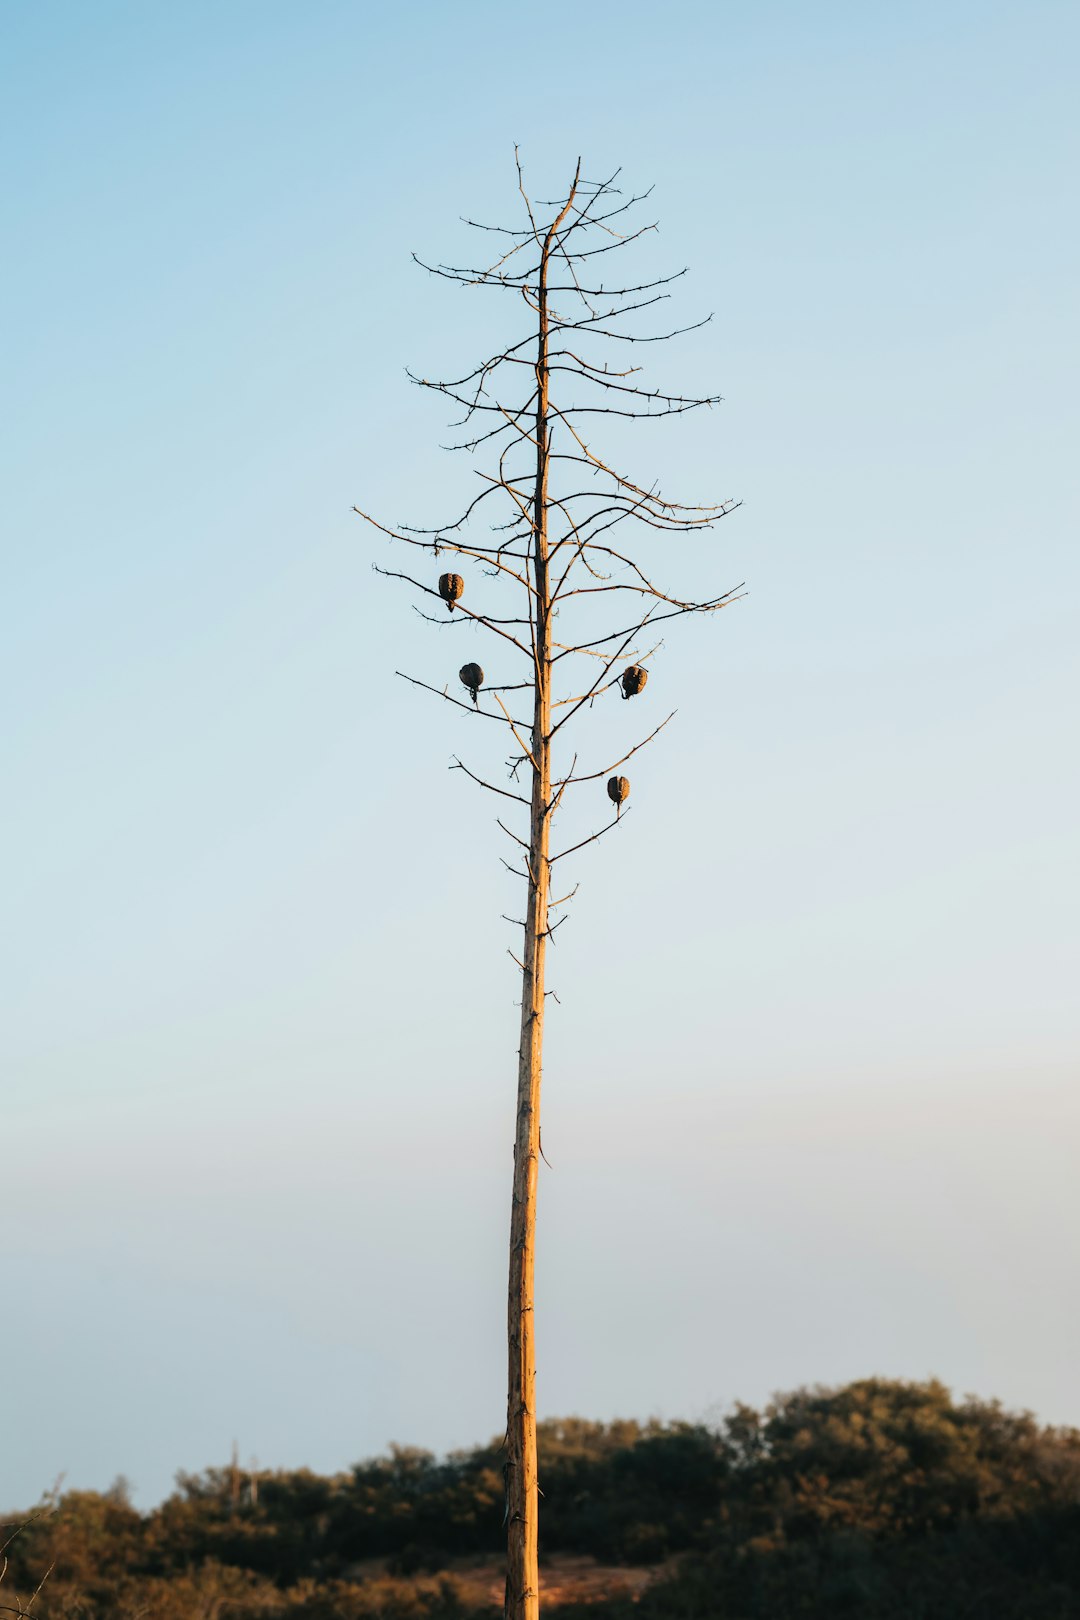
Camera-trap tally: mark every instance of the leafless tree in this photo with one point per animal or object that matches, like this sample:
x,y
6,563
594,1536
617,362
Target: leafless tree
x,y
576,613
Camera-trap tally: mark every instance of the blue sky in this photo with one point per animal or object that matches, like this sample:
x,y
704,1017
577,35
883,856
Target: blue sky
x,y
808,1089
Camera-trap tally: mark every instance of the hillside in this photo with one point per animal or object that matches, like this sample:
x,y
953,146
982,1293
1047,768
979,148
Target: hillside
x,y
882,1500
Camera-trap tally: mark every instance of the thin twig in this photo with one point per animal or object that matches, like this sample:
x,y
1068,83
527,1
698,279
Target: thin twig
x,y
617,822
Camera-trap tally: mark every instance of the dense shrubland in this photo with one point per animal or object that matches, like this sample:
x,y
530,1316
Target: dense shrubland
x,y
882,1500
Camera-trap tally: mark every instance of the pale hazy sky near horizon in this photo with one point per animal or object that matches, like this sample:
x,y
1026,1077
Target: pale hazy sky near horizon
x,y
810,1092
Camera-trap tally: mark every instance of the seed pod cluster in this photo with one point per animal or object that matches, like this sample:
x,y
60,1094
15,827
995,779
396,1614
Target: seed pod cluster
x,y
618,791
450,588
472,676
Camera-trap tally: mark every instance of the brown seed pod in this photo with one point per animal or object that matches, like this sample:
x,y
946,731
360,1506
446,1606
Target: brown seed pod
x,y
633,680
472,676
618,790
450,588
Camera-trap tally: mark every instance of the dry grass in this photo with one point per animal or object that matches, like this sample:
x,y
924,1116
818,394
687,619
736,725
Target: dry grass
x,y
564,1578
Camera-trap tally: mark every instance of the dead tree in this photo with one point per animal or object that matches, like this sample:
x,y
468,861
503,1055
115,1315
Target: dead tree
x,y
563,583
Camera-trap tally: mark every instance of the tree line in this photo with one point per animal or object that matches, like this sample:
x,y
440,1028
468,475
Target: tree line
x,y
880,1500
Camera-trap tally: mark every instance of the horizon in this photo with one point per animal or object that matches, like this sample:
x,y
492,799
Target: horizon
x,y
599,1429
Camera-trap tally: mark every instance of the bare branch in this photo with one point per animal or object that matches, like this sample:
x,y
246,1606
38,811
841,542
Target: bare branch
x,y
526,751
714,606
593,776
525,198
459,607
596,685
469,708
512,835
458,766
616,822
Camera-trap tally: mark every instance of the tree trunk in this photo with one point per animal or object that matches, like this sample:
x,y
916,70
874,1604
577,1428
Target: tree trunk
x,y
522,1584
522,1578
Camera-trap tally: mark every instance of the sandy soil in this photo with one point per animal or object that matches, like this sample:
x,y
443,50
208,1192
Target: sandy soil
x,y
564,1578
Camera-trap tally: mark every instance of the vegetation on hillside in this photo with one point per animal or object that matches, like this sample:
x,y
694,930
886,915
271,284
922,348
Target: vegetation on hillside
x,y
881,1500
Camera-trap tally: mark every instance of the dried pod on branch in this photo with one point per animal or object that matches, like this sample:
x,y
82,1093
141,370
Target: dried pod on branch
x,y
633,680
472,676
618,791
450,588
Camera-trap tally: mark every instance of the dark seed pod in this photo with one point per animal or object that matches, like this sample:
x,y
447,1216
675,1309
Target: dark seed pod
x,y
618,791
472,676
450,588
633,680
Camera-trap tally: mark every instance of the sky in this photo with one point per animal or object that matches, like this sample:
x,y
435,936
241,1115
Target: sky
x,y
809,1093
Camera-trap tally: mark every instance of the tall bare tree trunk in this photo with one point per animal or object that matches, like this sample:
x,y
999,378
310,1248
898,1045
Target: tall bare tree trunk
x,y
522,1575
551,534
